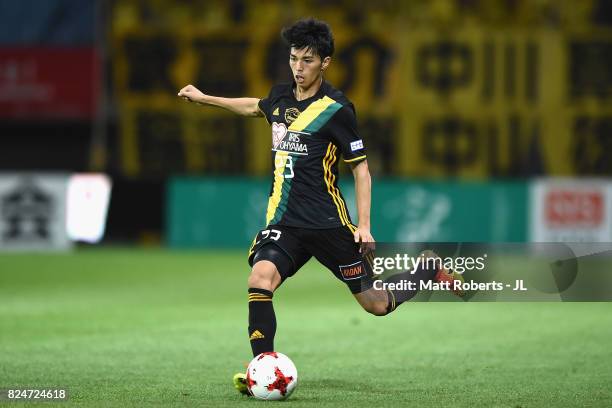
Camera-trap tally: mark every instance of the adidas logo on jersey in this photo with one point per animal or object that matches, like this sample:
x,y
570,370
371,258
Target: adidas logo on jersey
x,y
276,112
256,335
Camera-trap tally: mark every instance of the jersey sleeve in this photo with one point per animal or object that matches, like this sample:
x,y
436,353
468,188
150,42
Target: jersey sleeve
x,y
343,128
264,106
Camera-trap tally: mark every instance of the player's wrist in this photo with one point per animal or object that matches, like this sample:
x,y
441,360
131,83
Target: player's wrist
x,y
203,98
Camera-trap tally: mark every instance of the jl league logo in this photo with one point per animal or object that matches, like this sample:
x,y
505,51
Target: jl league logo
x,y
291,114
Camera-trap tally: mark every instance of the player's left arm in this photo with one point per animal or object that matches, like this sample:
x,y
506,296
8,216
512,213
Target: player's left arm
x,y
343,128
363,191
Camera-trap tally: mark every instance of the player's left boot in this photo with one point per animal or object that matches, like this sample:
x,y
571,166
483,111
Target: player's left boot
x,y
240,383
444,275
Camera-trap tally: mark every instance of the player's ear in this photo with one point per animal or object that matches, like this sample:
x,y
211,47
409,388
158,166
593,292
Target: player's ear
x,y
325,63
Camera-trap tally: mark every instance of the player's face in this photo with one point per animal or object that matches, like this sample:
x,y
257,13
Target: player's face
x,y
306,66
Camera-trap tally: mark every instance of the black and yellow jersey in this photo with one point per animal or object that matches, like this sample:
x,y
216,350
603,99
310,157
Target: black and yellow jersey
x,y
308,137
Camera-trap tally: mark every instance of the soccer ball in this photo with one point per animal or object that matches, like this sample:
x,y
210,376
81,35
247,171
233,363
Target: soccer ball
x,y
271,376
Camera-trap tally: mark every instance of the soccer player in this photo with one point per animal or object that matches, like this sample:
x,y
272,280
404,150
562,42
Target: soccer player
x,y
313,124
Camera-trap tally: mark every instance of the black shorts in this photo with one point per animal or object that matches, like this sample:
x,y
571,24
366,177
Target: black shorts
x,y
335,248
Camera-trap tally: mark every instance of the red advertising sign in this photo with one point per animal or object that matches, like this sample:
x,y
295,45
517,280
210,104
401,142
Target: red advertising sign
x,y
575,208
48,82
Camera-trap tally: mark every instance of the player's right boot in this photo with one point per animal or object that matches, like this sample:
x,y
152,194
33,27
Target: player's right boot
x,y
240,383
444,275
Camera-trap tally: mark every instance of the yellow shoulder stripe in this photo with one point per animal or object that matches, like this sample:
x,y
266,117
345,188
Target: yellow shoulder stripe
x,y
311,113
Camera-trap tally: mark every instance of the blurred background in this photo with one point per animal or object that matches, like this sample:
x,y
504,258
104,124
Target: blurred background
x,y
484,120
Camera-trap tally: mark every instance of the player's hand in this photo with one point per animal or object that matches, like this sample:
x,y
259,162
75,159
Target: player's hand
x,y
192,94
365,240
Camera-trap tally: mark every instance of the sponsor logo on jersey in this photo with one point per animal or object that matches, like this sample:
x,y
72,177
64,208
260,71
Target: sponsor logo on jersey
x,y
290,141
356,145
291,114
279,131
352,271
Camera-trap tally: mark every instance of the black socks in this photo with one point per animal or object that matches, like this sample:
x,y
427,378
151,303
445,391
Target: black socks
x,y
262,321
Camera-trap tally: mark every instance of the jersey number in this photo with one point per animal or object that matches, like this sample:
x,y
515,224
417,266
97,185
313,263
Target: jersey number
x,y
288,171
273,234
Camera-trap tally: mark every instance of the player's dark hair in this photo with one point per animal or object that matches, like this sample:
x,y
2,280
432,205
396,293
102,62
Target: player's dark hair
x,y
311,34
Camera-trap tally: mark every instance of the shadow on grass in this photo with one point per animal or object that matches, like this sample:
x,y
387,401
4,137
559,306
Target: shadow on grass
x,y
336,387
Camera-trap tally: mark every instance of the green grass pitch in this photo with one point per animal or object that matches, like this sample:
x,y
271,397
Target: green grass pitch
x,y
131,327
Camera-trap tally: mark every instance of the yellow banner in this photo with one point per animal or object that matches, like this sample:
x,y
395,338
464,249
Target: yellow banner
x,y
471,103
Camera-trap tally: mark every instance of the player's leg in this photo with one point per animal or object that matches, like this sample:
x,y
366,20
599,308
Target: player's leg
x,y
431,270
273,261
275,255
382,301
374,301
336,249
263,281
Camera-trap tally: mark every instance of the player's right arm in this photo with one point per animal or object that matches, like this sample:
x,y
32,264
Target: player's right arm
x,y
241,106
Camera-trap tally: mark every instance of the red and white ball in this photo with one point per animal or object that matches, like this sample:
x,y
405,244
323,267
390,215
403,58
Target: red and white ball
x,y
271,376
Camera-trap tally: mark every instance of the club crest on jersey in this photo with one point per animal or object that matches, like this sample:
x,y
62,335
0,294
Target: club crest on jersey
x,y
291,114
289,141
